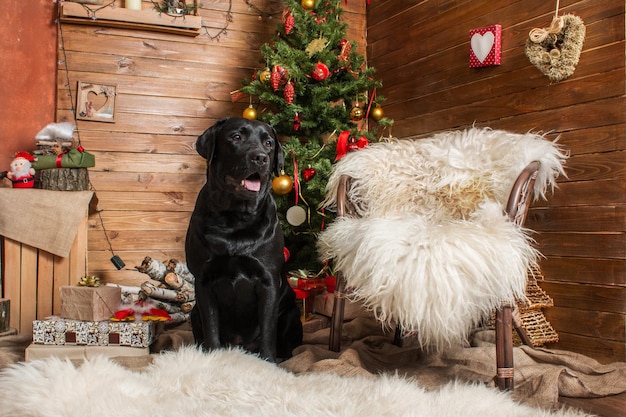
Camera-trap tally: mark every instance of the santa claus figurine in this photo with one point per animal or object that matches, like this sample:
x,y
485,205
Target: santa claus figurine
x,y
22,172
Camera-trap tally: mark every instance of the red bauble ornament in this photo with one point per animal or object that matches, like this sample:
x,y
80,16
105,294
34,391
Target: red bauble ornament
x,y
353,144
296,122
309,173
286,254
320,72
289,92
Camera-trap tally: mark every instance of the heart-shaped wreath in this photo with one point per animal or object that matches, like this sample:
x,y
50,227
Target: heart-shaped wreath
x,y
555,51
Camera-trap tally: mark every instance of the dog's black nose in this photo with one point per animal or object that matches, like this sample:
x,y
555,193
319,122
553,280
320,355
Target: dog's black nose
x,y
260,158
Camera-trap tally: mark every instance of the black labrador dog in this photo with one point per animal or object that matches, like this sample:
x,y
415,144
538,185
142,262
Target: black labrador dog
x,y
234,245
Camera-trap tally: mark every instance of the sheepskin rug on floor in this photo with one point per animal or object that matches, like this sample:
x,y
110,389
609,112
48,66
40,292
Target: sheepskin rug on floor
x,y
226,383
432,248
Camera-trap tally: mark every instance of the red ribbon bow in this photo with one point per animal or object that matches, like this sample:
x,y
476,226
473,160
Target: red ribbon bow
x,y
347,143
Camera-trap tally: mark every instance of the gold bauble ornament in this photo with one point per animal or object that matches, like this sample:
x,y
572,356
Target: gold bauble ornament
x,y
282,184
356,114
308,4
377,113
249,113
265,76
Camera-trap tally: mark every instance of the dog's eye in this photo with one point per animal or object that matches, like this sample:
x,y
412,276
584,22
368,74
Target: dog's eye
x,y
236,137
269,143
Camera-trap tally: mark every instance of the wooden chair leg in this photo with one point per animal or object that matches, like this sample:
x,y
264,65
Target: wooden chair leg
x,y
517,324
504,348
397,337
334,343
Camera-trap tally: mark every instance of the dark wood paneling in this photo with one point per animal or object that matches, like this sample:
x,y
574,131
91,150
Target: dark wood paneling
x,y
585,270
607,299
581,219
587,323
610,245
604,351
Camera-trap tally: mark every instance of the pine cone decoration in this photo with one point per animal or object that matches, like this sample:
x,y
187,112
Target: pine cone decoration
x,y
289,92
275,77
289,21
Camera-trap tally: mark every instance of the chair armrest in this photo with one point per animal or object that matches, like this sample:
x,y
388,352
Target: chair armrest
x,y
344,206
522,193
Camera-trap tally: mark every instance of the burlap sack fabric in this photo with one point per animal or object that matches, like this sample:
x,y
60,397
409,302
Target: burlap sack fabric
x,y
43,219
541,375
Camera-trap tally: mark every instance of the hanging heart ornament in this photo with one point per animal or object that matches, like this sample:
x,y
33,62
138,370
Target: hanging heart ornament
x,y
555,51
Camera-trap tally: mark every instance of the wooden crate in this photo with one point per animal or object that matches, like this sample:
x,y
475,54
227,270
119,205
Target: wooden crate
x,y
31,278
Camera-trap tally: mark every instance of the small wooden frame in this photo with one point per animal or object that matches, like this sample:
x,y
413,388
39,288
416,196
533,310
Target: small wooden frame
x,y
95,102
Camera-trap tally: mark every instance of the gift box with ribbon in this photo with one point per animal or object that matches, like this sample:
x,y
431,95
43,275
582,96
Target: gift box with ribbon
x,y
89,303
73,158
58,331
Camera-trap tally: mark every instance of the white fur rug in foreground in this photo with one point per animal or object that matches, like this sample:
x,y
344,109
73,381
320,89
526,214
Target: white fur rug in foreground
x,y
231,383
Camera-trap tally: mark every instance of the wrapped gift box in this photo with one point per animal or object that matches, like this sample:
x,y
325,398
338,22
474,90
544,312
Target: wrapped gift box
x,y
35,351
324,302
89,303
304,301
307,283
59,331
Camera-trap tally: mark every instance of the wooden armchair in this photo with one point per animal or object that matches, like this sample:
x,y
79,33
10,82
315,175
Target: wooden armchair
x,y
449,248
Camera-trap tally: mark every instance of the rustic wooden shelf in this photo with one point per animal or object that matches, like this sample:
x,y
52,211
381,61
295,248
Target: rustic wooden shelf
x,y
130,19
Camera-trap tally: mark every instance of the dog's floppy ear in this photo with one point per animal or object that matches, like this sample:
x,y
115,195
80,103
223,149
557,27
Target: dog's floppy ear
x,y
205,144
279,155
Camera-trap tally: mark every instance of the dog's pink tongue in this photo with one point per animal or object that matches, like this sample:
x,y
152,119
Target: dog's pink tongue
x,y
252,185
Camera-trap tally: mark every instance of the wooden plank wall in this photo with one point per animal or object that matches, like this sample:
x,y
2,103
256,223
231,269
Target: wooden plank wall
x,y
170,88
420,50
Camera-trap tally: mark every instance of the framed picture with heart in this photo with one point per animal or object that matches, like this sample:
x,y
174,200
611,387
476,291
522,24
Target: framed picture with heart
x,y
485,46
95,102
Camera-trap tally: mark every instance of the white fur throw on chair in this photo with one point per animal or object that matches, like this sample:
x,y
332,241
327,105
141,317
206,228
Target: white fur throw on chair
x,y
432,248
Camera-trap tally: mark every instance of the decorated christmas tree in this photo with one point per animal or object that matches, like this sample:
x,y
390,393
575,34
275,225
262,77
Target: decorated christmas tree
x,y
314,88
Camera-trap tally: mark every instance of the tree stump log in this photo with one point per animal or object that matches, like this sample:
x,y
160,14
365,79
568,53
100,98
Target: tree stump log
x,y
5,305
64,179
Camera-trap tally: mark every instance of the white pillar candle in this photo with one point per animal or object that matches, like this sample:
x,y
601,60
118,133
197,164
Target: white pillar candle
x,y
132,4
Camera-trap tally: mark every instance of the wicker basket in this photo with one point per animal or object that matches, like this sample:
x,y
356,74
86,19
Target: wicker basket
x,y
533,321
537,328
535,296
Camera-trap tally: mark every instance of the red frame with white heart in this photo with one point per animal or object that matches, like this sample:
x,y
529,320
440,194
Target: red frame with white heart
x,y
479,40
